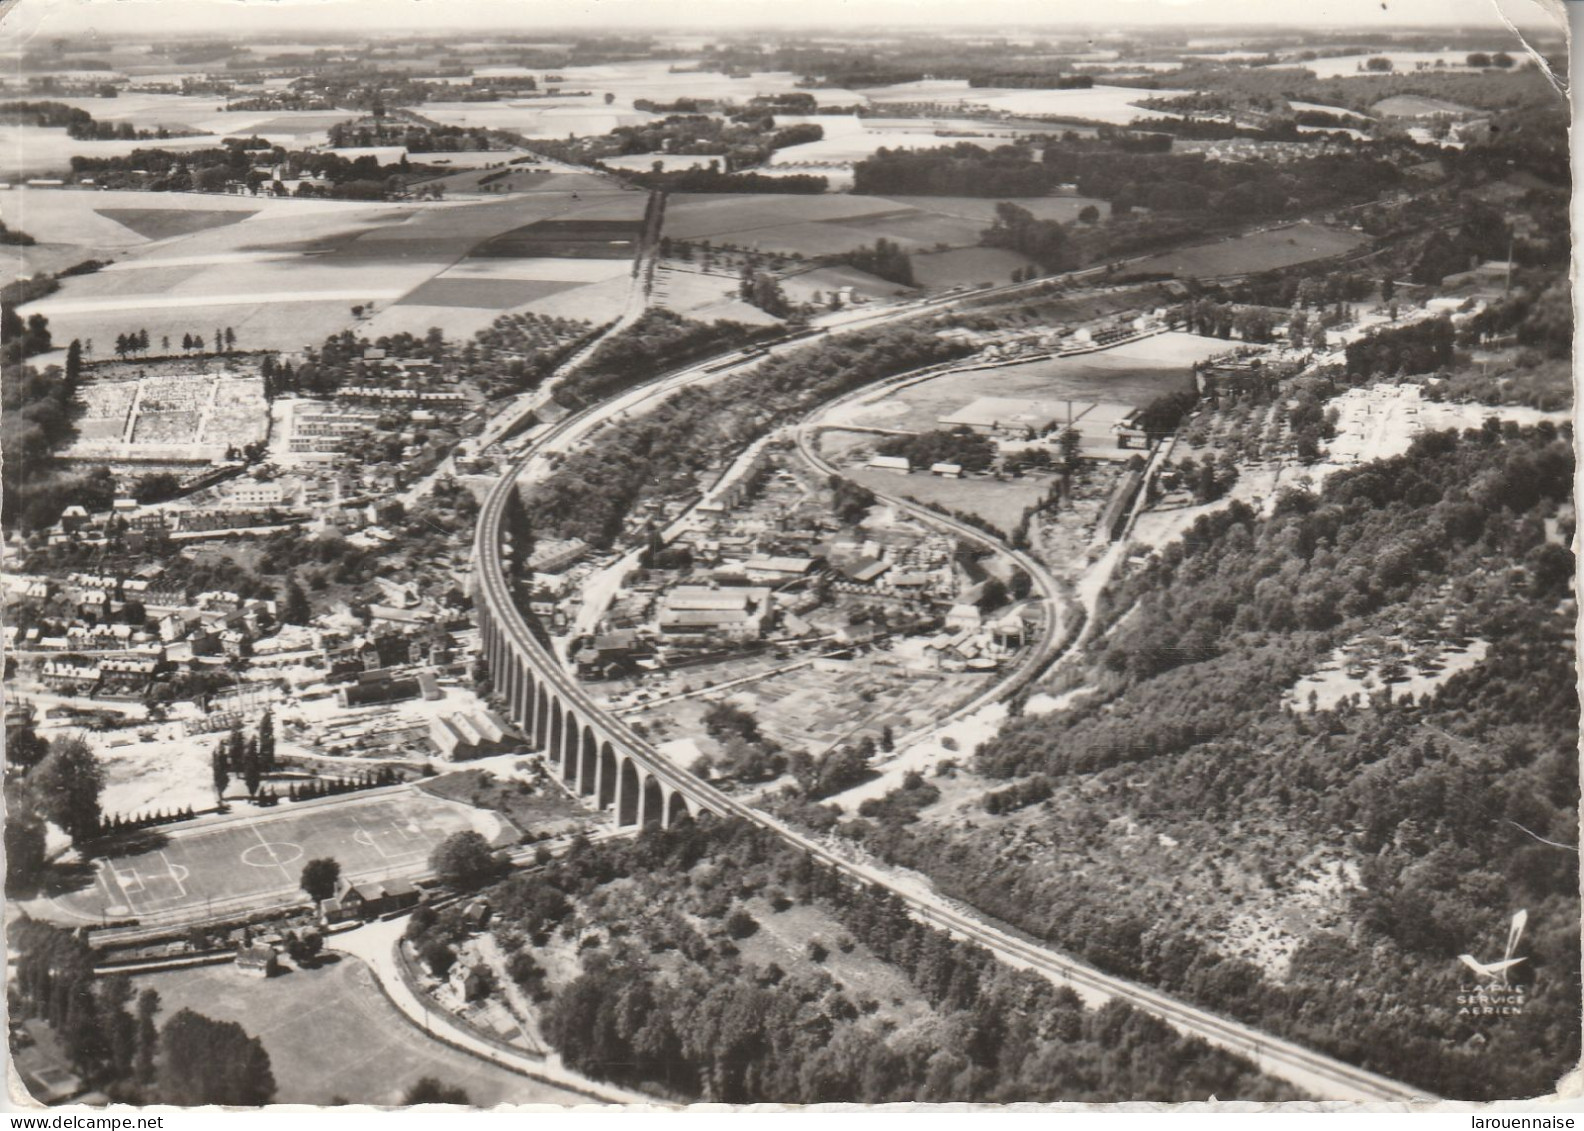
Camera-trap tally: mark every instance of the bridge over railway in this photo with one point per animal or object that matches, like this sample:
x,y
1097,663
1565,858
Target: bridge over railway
x,y
606,762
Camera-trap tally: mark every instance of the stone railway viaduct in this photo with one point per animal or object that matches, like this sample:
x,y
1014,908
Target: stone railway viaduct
x,y
608,763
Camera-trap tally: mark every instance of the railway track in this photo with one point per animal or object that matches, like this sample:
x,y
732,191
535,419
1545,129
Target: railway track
x,y
1309,1070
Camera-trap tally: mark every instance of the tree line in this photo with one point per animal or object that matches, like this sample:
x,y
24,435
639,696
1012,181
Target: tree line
x,y
113,1040
668,1001
592,491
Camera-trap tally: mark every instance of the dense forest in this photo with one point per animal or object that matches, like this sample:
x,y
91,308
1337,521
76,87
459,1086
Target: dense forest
x,y
661,452
884,259
1452,810
666,999
657,341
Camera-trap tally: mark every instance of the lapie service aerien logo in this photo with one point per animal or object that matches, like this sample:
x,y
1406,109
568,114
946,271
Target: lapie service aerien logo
x,y
1493,993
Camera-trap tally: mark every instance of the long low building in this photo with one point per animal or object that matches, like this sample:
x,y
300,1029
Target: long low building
x,y
464,735
736,612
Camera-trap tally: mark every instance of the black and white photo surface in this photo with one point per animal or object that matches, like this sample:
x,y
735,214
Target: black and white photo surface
x,y
660,553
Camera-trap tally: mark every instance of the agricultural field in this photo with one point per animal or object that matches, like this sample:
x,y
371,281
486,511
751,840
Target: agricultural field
x,y
981,210
1113,105
33,151
704,296
966,267
848,140
834,224
1258,251
823,281
1416,106
333,1037
1403,62
536,118
39,151
286,273
654,80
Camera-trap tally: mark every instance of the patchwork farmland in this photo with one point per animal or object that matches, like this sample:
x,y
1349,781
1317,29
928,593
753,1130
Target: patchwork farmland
x,y
284,274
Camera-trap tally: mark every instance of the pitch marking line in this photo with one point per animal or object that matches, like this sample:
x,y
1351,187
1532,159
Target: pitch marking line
x,y
269,851
368,840
106,873
175,878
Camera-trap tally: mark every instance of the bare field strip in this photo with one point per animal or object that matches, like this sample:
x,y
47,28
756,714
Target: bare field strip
x,y
163,223
548,269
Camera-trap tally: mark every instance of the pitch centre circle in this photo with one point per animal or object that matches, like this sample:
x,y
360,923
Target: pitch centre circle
x,y
271,854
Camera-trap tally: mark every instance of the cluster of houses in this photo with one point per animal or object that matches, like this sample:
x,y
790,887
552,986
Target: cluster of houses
x,y
355,901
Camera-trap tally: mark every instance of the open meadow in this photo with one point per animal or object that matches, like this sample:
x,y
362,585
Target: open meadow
x,y
1258,251
333,1037
837,223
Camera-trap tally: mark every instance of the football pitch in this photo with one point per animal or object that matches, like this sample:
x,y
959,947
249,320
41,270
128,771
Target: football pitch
x,y
169,874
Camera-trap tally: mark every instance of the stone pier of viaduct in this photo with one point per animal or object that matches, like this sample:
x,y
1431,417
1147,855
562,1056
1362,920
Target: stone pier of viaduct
x,y
599,757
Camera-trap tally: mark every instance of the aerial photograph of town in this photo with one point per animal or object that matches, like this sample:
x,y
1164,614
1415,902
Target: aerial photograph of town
x,y
734,553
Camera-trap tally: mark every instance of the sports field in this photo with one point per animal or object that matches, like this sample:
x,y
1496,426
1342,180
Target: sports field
x,y
1133,373
164,874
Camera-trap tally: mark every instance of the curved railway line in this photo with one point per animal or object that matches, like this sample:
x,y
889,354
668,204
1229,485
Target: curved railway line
x,y
509,628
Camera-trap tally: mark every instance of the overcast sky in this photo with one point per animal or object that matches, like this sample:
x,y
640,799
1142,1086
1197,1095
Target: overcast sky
x,y
25,18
